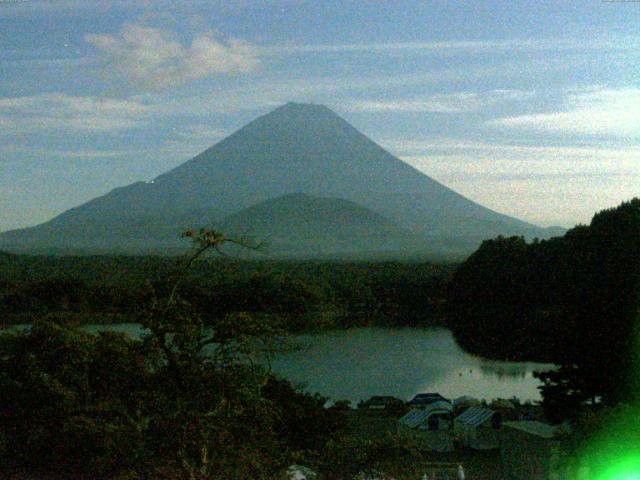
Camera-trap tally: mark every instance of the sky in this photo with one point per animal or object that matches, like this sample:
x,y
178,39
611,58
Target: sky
x,y
529,108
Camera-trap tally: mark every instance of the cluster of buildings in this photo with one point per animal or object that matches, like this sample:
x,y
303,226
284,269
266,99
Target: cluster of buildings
x,y
529,448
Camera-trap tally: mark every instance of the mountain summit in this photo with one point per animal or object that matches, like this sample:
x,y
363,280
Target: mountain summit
x,y
296,148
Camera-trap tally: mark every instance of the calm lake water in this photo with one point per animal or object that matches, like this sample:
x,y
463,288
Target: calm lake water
x,y
358,363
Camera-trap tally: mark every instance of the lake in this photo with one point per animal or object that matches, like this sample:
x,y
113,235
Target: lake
x,y
357,363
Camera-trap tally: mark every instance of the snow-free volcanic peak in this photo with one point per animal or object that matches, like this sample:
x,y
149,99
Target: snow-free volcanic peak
x,y
298,147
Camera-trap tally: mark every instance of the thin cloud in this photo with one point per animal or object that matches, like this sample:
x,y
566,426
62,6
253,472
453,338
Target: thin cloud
x,y
455,147
154,58
59,111
444,103
470,46
458,102
201,132
49,152
474,45
471,159
337,91
519,180
609,112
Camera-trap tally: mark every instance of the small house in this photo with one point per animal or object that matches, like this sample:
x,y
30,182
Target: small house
x,y
478,428
429,427
529,449
422,400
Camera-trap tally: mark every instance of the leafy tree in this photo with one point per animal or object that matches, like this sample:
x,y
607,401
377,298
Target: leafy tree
x,y
573,301
188,400
71,401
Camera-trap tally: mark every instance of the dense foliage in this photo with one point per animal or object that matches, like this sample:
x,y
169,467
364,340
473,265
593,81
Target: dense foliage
x,y
105,404
185,401
571,300
303,296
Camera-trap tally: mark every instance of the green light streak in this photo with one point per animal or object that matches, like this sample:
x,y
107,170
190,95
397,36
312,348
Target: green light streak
x,y
623,469
613,450
613,453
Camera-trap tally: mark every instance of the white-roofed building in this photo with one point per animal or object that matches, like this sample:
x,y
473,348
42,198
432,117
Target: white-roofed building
x,y
478,428
430,427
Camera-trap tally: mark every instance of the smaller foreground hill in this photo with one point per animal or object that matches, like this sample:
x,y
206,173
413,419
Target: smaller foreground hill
x,y
303,225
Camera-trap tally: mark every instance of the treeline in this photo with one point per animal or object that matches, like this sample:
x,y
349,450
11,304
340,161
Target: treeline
x,y
186,400
304,296
571,300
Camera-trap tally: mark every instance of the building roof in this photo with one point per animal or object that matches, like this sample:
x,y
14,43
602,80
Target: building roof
x,y
475,416
417,416
532,427
427,398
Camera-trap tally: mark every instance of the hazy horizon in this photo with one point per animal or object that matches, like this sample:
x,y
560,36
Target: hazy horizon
x,y
530,110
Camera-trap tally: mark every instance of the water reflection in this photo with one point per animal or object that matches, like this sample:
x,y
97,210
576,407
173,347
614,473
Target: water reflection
x,y
355,364
358,363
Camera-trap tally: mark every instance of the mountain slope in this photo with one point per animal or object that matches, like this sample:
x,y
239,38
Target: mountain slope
x,y
303,225
295,148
